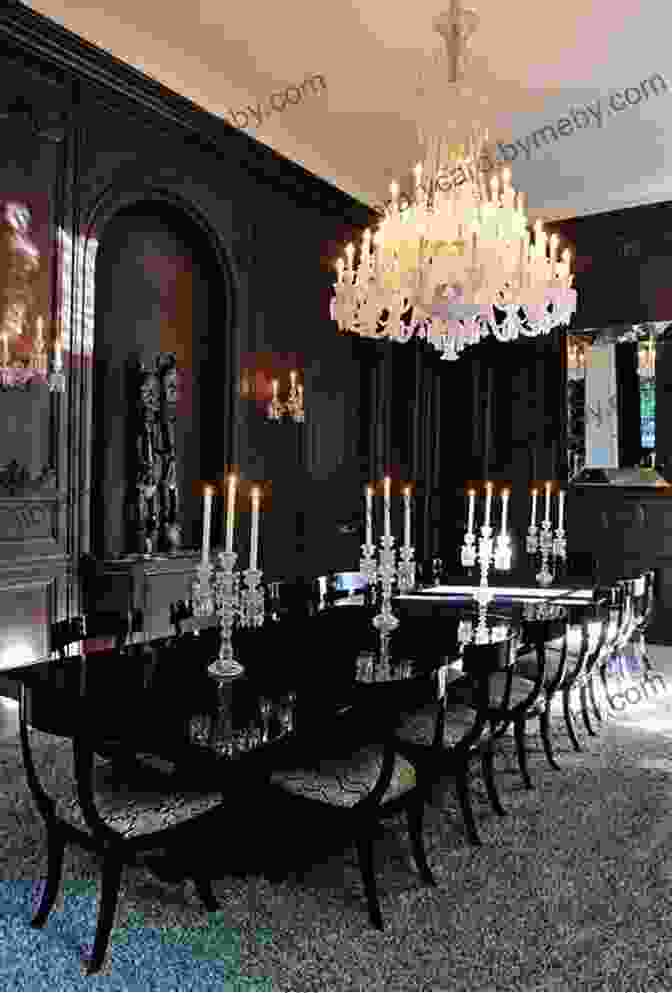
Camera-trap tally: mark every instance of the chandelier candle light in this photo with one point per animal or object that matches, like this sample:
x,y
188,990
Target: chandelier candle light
x,y
456,261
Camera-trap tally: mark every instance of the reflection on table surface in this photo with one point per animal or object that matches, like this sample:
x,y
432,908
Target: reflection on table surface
x,y
505,592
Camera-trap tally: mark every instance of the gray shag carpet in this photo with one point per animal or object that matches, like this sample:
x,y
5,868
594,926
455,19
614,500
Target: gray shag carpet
x,y
571,891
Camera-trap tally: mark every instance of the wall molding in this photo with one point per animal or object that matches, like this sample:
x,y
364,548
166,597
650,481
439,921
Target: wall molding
x,y
53,43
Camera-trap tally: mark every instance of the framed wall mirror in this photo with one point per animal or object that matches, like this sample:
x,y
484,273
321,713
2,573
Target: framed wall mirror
x,y
617,404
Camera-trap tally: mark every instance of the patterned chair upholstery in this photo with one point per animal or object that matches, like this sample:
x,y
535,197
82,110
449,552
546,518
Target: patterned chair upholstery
x,y
141,800
358,778
99,807
344,785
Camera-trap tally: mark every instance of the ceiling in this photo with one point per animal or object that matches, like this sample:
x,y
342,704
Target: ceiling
x,y
532,62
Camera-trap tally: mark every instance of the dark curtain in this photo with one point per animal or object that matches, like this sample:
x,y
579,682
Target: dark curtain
x,y
627,379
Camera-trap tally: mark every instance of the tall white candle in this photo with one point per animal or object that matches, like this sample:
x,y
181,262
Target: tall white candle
x,y
472,507
547,514
488,504
254,529
58,361
505,507
230,512
369,515
533,521
407,516
5,350
561,508
386,505
207,517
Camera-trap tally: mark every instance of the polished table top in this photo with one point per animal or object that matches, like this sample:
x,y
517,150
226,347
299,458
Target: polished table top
x,y
158,696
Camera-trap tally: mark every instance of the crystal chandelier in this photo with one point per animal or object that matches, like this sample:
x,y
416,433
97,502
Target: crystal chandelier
x,y
454,261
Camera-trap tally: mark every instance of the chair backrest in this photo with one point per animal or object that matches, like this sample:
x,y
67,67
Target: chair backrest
x,y
644,589
92,632
183,620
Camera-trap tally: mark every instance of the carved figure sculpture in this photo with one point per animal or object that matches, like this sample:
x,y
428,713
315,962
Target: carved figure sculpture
x,y
154,508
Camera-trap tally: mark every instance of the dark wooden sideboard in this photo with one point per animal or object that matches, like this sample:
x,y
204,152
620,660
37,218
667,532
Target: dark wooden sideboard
x,y
627,528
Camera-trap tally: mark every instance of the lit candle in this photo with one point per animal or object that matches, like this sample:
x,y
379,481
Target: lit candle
x,y
292,378
407,516
488,504
533,521
547,514
369,515
58,361
365,259
386,505
350,251
254,530
561,509
207,516
340,266
275,384
5,350
505,506
230,512
394,190
472,507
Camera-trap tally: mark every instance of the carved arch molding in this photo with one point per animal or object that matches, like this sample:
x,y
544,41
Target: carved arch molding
x,y
80,332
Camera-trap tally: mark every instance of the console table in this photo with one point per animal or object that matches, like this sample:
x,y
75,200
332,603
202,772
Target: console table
x,y
141,587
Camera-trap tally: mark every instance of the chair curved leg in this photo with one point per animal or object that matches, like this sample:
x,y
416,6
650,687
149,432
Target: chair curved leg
x,y
112,867
464,799
545,731
593,698
49,888
365,855
205,892
488,768
414,817
521,752
569,720
583,697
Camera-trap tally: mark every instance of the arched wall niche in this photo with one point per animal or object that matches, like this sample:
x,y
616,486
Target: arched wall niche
x,y
149,275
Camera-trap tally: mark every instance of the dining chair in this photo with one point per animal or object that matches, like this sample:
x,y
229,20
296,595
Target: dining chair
x,y
644,595
564,675
98,808
94,631
350,774
443,737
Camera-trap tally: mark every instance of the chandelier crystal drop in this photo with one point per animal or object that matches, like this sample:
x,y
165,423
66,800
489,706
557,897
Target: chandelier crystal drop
x,y
455,260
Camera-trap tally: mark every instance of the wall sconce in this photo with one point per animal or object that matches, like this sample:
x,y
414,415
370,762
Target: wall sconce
x,y
20,373
293,407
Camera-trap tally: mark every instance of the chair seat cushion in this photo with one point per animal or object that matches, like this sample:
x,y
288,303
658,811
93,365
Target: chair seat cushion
x,y
527,666
418,728
521,687
131,800
344,782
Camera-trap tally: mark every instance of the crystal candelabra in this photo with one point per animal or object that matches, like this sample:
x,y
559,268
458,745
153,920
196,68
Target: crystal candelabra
x,y
553,548
385,573
484,595
219,591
